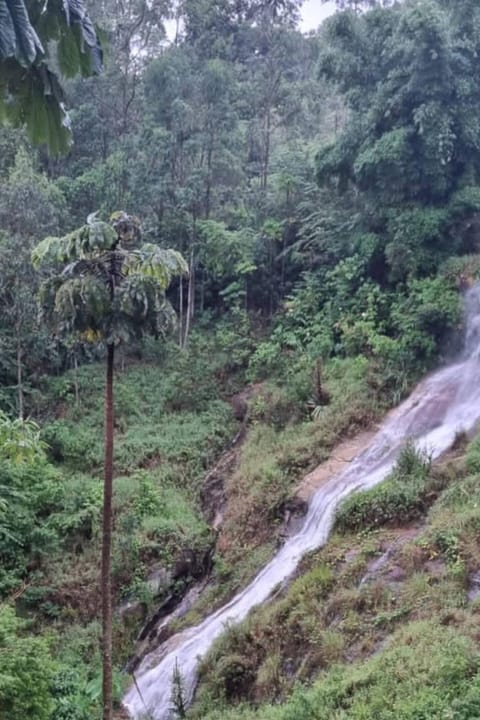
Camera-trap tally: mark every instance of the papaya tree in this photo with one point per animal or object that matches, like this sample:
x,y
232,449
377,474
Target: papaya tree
x,y
107,288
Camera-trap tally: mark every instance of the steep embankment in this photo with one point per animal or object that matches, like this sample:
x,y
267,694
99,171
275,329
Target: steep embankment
x,y
252,496
173,423
386,614
432,415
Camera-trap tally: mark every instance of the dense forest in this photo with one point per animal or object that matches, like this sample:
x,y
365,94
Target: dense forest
x,y
304,209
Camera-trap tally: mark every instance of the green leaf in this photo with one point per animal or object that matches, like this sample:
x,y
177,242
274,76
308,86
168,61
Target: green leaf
x,y
7,32
156,262
28,45
68,55
76,50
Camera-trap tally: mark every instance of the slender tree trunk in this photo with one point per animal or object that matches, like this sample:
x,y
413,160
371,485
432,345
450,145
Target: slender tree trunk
x,y
190,292
208,190
106,583
21,410
202,291
75,378
266,158
180,315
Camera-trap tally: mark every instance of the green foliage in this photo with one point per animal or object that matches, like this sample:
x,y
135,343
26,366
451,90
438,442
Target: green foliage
x,y
400,498
30,491
107,292
34,43
76,445
173,524
27,671
401,333
24,346
473,456
422,318
428,671
461,269
71,701
20,440
31,494
156,507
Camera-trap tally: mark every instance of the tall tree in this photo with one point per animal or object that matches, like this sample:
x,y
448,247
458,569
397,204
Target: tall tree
x,y
29,204
108,291
410,147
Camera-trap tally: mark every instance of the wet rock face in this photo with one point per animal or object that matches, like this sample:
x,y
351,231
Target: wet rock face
x,y
473,592
159,579
239,406
176,591
191,564
295,506
213,494
292,513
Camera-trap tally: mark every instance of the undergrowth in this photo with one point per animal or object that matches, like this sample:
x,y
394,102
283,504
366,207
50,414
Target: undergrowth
x,y
381,620
403,497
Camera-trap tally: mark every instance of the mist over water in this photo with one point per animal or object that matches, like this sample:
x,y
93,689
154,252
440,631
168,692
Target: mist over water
x,y
444,403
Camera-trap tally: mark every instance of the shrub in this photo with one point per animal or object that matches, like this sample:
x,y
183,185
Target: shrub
x,y
27,670
400,498
428,672
73,443
34,494
473,455
422,317
274,406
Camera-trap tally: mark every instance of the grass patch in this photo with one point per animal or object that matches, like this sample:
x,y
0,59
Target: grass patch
x,y
276,456
403,497
428,672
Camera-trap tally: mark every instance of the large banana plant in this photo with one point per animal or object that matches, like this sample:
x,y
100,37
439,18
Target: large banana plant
x,y
39,41
107,287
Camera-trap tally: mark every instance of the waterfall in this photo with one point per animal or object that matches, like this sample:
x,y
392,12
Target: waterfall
x,y
445,402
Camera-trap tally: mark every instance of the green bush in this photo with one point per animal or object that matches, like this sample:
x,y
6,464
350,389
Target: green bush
x,y
33,494
422,318
73,443
473,455
400,498
267,360
27,671
275,406
460,269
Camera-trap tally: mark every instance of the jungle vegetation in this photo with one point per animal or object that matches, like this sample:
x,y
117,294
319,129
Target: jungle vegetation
x,y
323,189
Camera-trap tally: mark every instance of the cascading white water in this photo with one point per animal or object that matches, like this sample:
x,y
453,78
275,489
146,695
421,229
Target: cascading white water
x,y
441,405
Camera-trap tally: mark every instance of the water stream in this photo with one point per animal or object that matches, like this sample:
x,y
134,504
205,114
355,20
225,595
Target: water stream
x,y
444,403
